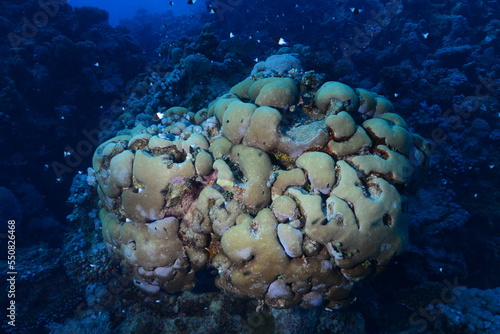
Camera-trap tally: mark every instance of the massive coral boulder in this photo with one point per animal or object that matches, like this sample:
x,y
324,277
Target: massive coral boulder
x,y
292,204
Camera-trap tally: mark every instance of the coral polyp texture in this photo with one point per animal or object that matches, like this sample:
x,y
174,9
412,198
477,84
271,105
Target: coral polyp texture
x,y
290,192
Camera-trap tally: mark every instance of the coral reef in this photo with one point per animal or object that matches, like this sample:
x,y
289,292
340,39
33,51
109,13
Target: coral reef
x,y
287,213
40,287
56,76
473,311
437,63
277,65
9,207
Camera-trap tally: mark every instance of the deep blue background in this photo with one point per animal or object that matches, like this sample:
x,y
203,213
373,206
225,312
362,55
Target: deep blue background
x,y
125,9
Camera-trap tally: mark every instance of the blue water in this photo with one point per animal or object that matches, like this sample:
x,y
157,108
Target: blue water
x,y
119,10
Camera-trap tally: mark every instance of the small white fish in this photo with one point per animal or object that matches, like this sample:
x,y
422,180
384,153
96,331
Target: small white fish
x,y
231,35
67,153
256,60
396,94
160,115
96,64
281,41
425,35
62,117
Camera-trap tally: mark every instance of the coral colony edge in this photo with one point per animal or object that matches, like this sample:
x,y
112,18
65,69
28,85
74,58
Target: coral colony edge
x,y
291,191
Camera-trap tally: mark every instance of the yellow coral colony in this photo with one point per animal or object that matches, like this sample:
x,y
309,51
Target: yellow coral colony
x,y
289,212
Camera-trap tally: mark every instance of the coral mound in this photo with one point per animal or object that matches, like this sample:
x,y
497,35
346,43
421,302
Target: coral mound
x,y
292,194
